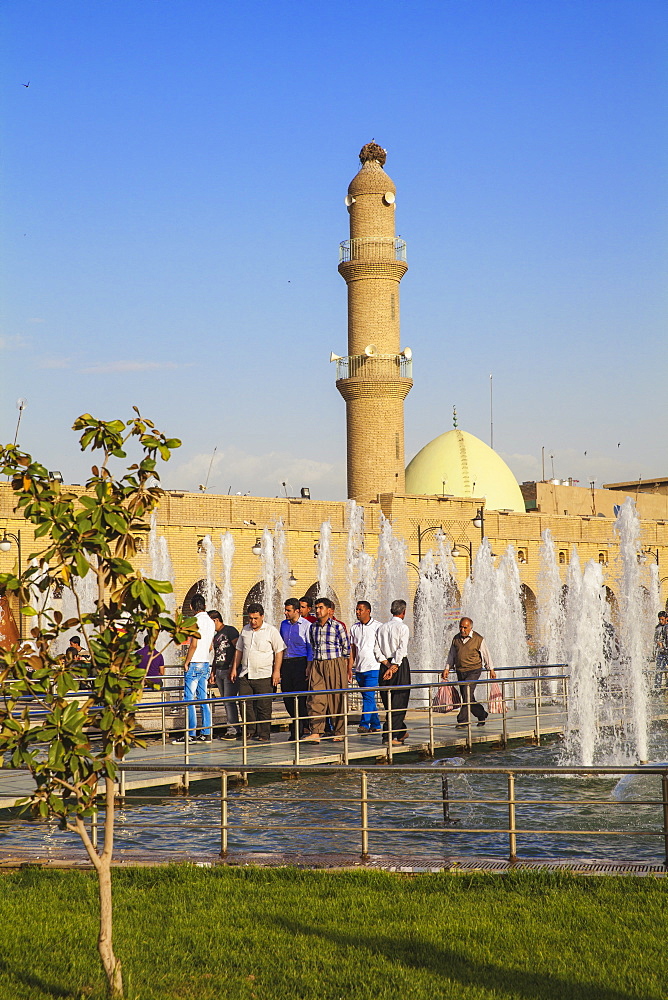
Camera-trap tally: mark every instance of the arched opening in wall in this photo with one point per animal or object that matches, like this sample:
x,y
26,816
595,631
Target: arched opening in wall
x,y
256,595
663,589
200,587
529,611
313,593
613,607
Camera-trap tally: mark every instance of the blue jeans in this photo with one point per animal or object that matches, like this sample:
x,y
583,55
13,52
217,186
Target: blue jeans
x,y
196,680
370,718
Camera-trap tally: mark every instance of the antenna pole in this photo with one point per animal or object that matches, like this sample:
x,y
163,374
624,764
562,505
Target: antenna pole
x,y
491,412
206,481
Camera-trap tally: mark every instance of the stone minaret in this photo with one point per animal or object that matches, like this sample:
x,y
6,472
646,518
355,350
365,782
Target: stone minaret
x,y
375,378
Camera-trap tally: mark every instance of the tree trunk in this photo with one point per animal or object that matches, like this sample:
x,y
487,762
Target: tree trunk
x,y
112,965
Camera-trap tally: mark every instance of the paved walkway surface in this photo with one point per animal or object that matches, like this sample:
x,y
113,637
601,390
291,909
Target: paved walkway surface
x,y
281,751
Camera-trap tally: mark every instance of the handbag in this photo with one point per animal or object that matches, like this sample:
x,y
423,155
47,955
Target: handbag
x,y
495,703
446,698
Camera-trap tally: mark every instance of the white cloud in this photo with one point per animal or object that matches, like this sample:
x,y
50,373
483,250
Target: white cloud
x,y
13,343
120,367
55,363
237,471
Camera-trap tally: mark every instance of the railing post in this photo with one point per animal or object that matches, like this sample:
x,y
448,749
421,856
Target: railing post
x,y
445,791
345,728
504,713
536,707
512,836
390,732
364,803
162,720
186,756
244,740
121,790
431,724
298,726
664,796
223,814
93,826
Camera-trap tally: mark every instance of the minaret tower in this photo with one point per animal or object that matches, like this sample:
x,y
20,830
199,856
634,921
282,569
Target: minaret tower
x,y
375,378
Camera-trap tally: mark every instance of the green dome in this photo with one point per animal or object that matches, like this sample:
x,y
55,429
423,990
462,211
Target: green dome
x,y
468,467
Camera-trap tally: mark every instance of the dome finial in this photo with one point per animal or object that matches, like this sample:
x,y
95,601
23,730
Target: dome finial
x,y
372,151
454,417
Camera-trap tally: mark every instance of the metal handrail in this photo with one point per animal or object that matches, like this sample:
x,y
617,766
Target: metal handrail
x,y
375,367
374,249
363,829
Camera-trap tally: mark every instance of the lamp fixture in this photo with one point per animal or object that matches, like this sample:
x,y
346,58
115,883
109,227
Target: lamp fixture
x,y
257,548
292,579
305,493
5,544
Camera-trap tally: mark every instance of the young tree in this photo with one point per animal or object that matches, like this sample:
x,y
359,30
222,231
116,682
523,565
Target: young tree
x,y
72,745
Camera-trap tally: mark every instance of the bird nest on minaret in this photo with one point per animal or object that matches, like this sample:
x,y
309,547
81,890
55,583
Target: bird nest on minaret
x,y
372,151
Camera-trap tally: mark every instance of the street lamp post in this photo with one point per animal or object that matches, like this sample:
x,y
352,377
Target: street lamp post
x,y
479,521
421,532
5,545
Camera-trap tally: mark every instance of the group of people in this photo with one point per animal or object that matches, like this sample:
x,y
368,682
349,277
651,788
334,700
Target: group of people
x,y
312,657
660,654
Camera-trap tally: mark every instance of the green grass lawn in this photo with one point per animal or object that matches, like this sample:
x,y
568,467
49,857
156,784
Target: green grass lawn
x,y
256,934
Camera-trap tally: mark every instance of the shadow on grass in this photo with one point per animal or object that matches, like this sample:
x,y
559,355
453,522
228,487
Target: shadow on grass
x,y
450,964
13,972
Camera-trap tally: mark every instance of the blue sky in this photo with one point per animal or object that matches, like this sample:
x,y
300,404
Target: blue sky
x,y
172,203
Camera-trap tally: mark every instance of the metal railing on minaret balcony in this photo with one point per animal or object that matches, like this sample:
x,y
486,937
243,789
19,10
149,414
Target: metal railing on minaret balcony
x,y
374,368
372,248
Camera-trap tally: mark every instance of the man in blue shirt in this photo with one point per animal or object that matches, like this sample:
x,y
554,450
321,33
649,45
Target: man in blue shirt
x,y
298,653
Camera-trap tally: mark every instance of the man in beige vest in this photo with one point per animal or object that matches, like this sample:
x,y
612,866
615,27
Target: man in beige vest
x,y
469,656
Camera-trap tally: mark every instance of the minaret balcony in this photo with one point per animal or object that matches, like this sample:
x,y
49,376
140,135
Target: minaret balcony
x,y
375,249
374,368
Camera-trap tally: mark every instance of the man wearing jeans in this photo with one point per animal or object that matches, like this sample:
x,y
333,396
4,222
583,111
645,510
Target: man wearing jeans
x,y
197,671
365,665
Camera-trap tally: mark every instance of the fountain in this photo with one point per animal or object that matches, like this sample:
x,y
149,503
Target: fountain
x,y
436,613
282,570
227,554
268,576
491,600
391,571
550,607
207,554
325,568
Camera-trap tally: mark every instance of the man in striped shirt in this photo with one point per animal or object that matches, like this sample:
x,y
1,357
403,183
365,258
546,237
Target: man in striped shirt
x,y
328,669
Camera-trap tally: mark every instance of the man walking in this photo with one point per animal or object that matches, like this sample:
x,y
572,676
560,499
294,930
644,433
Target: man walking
x,y
306,610
298,653
661,651
469,656
328,669
224,644
365,665
197,672
257,663
391,649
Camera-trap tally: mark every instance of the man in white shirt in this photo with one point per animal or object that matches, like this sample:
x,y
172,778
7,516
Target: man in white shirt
x,y
391,651
197,672
257,663
469,656
365,665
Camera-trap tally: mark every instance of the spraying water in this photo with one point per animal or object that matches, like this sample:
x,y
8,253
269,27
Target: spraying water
x,y
492,601
436,611
207,554
268,575
282,570
325,566
633,632
227,554
550,607
391,570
